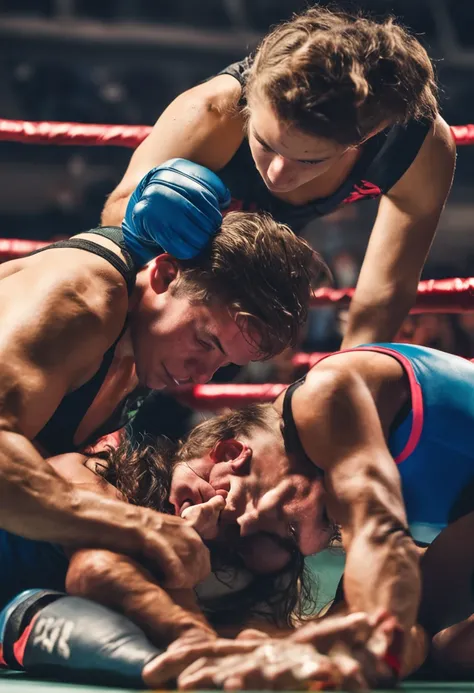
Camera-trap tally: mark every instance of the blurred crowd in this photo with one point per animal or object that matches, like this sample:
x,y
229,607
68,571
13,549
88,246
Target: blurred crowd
x,y
128,83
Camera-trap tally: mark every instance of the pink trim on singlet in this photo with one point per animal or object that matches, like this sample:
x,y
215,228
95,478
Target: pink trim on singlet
x,y
20,645
416,396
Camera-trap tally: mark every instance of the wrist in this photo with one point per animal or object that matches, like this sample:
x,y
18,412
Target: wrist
x,y
184,624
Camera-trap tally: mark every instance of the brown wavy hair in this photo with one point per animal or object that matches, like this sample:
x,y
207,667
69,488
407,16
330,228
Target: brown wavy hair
x,y
142,473
263,273
343,76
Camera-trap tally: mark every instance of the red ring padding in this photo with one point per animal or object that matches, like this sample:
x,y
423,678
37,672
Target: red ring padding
x,y
211,397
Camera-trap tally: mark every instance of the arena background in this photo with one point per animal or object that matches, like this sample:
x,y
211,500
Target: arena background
x,y
123,61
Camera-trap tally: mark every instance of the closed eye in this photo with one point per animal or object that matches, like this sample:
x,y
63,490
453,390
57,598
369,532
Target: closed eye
x,y
204,345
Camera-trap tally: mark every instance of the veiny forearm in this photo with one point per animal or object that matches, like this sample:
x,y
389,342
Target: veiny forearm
x,y
37,503
122,584
382,572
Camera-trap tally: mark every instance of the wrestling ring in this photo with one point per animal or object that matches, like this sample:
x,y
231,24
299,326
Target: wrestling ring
x,y
455,295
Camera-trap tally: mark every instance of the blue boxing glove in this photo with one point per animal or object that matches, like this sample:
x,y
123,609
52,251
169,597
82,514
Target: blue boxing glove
x,y
176,208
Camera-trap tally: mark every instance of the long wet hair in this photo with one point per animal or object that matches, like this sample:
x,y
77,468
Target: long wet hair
x,y
142,473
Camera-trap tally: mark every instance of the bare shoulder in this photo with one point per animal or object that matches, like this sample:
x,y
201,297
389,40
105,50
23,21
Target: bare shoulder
x,y
428,180
338,372
219,95
60,313
76,285
204,124
82,470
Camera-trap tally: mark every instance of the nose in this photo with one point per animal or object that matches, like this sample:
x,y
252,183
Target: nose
x,y
279,171
200,370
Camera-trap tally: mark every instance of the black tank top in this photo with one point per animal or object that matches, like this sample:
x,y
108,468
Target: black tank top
x,y
57,436
384,160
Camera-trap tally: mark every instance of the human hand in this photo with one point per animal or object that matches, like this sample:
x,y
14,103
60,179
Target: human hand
x,y
171,546
375,642
204,517
176,208
274,665
190,647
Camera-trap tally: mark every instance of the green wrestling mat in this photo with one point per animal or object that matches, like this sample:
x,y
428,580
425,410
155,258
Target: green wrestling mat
x,y
327,569
19,683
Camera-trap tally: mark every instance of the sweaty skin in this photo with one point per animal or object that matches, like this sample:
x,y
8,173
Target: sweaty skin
x,y
342,413
325,651
204,125
60,311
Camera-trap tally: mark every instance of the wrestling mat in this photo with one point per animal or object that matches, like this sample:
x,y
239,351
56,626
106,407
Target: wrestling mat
x,y
326,569
11,682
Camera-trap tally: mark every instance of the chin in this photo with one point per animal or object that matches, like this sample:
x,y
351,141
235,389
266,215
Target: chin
x,y
282,188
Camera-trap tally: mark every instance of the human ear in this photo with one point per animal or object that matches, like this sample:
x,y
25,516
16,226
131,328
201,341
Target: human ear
x,y
164,270
235,452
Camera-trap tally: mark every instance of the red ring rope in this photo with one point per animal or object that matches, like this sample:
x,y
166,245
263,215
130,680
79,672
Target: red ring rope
x,y
86,134
447,295
434,295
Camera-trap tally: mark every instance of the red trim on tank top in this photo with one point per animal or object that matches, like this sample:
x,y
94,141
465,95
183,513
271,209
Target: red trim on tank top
x,y
415,391
365,190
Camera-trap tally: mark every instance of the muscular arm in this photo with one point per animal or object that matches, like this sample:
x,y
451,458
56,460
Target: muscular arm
x,y
59,314
400,241
119,582
341,432
55,330
199,125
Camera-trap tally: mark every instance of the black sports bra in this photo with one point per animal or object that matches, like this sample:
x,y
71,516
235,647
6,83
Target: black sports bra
x,y
290,433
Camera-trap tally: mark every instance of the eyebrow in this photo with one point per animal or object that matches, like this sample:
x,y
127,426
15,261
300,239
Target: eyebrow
x,y
217,343
301,161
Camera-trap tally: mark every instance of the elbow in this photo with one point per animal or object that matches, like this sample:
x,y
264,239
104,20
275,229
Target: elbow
x,y
399,294
90,573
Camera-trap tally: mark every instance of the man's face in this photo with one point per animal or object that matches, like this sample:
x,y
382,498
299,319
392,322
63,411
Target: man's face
x,y
274,504
177,340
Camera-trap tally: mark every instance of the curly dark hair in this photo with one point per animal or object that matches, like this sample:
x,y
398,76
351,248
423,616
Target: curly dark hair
x,y
142,473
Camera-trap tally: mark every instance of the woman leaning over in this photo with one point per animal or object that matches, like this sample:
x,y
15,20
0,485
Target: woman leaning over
x,y
332,109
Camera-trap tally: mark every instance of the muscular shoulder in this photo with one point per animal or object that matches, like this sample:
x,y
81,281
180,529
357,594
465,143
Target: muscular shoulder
x,y
81,286
332,379
208,119
342,370
81,470
64,307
